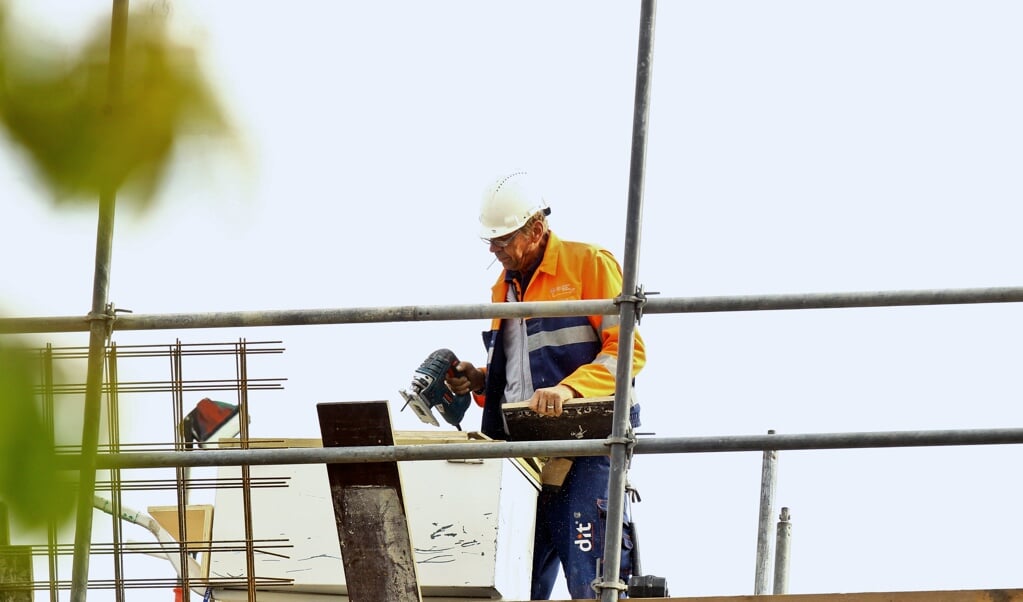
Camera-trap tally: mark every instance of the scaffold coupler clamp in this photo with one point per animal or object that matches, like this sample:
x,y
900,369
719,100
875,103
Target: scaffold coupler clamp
x,y
599,585
109,316
628,440
639,299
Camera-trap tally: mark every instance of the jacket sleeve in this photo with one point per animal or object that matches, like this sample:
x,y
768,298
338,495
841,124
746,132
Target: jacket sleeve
x,y
602,279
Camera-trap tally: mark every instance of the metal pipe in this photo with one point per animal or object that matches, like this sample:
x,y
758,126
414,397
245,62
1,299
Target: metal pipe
x,y
781,557
98,329
433,313
608,586
567,448
768,480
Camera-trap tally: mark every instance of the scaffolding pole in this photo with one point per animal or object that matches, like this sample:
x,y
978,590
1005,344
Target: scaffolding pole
x,y
781,553
608,584
567,448
768,482
487,311
98,321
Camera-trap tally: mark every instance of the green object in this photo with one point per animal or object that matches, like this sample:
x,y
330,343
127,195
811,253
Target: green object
x,y
31,486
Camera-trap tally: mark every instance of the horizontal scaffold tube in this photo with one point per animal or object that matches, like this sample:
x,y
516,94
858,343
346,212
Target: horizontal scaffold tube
x,y
425,313
500,449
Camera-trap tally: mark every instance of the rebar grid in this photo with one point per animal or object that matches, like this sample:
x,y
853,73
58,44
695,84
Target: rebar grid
x,y
51,392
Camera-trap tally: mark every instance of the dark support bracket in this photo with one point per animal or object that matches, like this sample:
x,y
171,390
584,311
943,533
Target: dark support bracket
x,y
369,509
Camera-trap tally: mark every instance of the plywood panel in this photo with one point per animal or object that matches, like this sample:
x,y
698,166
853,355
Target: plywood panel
x,y
198,528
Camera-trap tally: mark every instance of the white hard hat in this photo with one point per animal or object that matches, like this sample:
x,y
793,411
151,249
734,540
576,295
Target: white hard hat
x,y
508,203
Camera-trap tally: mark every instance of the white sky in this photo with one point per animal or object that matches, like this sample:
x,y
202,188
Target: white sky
x,y
795,146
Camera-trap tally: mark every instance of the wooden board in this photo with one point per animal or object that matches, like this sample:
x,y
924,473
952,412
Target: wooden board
x,y
400,438
990,595
586,418
994,595
372,527
198,528
527,466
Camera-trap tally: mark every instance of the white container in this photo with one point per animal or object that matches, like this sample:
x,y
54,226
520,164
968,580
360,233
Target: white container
x,y
471,523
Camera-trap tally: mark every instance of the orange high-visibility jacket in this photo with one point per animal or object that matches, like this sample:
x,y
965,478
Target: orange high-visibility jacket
x,y
581,352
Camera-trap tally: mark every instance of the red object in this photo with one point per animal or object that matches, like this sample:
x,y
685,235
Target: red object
x,y
207,418
178,595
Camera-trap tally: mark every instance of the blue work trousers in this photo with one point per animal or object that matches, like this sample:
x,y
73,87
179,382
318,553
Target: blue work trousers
x,y
570,522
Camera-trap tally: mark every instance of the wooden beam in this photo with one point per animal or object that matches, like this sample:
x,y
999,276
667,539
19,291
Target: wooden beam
x,y
376,547
986,595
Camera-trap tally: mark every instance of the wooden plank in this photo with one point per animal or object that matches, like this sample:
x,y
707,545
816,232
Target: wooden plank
x,y
372,526
993,595
987,595
585,418
529,467
198,528
400,438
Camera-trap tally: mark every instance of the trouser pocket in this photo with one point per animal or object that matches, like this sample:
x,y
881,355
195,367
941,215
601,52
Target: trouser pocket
x,y
625,566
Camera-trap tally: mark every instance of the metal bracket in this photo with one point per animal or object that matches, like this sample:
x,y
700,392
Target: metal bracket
x,y
618,585
629,441
639,300
599,586
109,316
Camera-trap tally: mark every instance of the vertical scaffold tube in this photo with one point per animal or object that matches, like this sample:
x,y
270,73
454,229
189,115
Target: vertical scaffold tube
x,y
768,479
610,586
97,331
781,553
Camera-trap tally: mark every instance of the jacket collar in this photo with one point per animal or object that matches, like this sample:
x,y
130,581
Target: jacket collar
x,y
548,263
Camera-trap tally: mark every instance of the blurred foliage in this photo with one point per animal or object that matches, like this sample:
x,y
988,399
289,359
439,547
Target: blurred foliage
x,y
85,136
30,483
90,125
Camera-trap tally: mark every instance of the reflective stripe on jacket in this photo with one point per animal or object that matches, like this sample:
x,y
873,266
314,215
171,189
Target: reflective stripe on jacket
x,y
581,352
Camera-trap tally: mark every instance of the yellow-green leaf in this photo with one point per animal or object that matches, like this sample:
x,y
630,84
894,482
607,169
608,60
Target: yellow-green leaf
x,y
30,482
86,137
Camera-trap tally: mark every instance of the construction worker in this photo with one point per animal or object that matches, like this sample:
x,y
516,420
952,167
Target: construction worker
x,y
549,361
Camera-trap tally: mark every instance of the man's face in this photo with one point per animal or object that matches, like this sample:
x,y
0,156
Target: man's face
x,y
518,250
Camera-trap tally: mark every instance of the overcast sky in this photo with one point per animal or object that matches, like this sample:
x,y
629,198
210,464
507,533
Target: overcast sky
x,y
794,146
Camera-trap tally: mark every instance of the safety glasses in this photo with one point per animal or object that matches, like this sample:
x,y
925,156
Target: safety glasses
x,y
503,241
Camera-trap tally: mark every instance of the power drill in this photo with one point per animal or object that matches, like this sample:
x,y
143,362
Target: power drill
x,y
429,391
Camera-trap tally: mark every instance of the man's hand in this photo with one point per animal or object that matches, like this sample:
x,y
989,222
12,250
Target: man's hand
x,y
550,401
467,378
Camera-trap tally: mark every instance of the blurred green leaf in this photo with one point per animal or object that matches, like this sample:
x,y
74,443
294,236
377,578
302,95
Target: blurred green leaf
x,y
30,482
59,109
